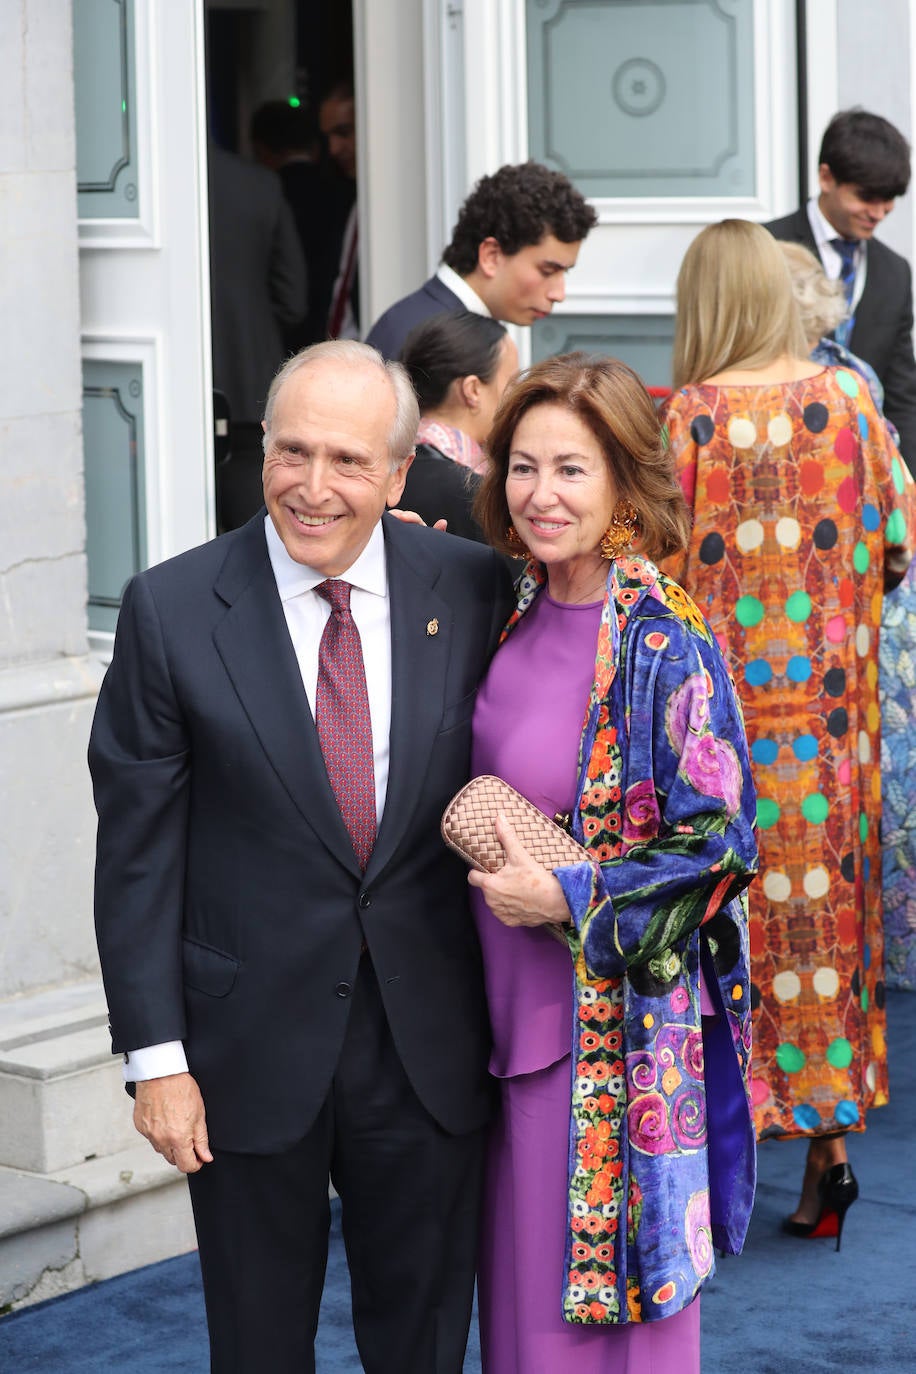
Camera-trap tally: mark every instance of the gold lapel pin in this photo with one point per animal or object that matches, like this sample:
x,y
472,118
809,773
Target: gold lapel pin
x,y
432,626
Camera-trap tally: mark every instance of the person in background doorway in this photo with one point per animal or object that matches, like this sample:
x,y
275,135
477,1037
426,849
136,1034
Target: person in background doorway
x,y
337,120
286,140
258,282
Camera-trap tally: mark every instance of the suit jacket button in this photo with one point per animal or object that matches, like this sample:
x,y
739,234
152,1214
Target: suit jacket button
x,y
365,901
343,989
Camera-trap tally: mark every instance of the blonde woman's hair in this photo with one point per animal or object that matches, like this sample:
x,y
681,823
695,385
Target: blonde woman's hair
x,y
612,401
735,305
821,302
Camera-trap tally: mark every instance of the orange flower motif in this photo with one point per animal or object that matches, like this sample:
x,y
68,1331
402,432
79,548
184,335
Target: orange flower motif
x,y
601,1190
589,1040
597,1311
594,1222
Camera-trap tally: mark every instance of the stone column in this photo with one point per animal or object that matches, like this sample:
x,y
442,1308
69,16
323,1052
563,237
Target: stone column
x,y
69,1169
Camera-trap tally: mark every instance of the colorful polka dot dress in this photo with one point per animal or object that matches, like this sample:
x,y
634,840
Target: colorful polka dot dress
x,y
798,499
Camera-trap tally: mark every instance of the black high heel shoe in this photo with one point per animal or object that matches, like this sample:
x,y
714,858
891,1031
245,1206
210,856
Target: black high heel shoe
x,y
837,1190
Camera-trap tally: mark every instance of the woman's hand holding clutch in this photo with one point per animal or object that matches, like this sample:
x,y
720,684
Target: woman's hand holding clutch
x,y
521,893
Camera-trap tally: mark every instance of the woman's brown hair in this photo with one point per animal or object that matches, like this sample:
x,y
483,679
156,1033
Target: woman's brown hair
x,y
607,396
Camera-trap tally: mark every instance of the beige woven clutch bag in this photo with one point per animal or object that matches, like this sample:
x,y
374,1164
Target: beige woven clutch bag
x,y
469,827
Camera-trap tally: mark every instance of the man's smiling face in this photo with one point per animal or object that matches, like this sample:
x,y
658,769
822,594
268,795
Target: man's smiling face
x,y
327,470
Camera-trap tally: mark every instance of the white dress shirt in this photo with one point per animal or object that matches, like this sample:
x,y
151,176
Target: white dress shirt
x,y
823,232
306,615
466,294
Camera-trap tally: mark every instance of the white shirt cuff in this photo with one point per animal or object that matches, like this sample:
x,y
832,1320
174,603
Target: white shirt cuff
x,y
155,1061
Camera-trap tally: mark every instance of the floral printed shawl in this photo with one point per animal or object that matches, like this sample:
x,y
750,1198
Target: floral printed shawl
x,y
661,1159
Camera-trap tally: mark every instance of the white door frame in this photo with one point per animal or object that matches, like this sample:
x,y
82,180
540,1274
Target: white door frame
x,y
145,283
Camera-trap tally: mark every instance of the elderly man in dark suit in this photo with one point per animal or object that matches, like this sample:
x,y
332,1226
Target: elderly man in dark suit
x,y
518,233
291,970
864,165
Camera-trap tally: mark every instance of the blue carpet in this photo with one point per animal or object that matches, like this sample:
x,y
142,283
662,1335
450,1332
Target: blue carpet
x,y
784,1306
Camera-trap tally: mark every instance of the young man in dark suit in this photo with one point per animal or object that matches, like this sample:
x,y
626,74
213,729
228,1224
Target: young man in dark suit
x,y
518,233
292,973
864,165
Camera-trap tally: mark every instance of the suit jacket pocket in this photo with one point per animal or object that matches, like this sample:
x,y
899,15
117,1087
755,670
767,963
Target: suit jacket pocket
x,y
208,970
459,713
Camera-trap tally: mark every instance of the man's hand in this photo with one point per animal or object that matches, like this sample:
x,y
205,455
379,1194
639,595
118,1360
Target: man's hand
x,y
170,1113
412,517
521,893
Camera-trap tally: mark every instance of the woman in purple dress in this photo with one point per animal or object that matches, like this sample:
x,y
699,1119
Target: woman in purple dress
x,y
623,1151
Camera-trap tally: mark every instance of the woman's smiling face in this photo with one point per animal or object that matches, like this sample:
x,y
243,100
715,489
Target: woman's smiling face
x,y
559,487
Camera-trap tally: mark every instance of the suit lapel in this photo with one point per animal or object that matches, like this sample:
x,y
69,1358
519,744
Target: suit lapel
x,y
421,640
254,644
871,312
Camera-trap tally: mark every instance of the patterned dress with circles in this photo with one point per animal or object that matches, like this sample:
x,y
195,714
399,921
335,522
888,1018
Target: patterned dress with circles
x,y
797,495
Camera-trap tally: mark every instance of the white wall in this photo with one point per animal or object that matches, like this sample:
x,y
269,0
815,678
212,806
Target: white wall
x,y
47,684
874,70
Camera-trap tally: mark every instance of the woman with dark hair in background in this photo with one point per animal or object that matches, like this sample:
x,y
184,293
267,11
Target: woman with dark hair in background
x,y
459,365
800,523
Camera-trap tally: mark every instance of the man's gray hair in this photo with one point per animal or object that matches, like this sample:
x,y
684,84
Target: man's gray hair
x,y
403,433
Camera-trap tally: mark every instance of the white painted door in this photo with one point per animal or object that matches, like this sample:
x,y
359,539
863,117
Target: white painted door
x,y
144,284
667,114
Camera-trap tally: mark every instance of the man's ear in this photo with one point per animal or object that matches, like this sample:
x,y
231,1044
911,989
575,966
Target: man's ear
x,y
489,257
826,180
398,478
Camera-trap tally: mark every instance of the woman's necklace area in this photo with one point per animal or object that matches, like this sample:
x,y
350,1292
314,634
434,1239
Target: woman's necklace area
x,y
581,598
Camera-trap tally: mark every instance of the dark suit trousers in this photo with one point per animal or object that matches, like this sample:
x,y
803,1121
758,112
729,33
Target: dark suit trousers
x,y
410,1198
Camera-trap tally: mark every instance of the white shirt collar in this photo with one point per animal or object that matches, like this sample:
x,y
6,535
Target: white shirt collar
x,y
369,573
466,294
821,227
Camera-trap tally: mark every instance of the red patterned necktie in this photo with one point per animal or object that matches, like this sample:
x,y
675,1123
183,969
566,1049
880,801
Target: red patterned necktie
x,y
343,721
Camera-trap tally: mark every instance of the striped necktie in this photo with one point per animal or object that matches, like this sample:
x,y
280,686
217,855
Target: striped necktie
x,y
847,250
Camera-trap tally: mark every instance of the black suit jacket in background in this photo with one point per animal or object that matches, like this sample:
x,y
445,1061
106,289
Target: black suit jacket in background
x,y
230,908
882,333
391,329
